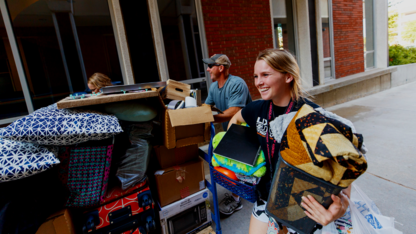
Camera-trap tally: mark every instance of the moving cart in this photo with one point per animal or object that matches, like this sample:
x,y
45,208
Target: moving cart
x,y
243,190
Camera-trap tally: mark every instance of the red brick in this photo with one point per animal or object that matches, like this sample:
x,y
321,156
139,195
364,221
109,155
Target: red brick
x,y
348,37
240,29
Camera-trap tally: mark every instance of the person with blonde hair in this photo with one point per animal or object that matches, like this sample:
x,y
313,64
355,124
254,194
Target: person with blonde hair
x,y
277,78
98,81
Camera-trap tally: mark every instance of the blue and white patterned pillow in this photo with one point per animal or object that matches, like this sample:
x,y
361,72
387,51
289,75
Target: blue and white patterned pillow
x,y
50,126
19,159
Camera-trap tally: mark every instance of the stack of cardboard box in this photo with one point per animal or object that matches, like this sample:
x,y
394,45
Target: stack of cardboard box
x,y
182,171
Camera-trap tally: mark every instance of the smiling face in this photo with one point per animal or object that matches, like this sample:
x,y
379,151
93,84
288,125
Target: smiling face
x,y
272,85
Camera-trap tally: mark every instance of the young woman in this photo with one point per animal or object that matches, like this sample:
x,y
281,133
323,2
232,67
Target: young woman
x,y
98,81
277,77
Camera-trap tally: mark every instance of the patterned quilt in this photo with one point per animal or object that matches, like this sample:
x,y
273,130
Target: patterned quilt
x,y
323,147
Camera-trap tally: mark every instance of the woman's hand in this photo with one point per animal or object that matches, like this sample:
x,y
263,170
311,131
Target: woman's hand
x,y
319,214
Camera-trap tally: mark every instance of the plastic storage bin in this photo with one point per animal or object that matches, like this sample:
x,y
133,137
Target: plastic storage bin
x,y
288,186
245,191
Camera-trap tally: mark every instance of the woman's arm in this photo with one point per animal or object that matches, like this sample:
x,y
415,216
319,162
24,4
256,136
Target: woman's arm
x,y
227,115
236,119
336,210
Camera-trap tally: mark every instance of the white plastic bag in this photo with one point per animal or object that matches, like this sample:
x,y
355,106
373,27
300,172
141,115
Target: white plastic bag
x,y
366,217
329,229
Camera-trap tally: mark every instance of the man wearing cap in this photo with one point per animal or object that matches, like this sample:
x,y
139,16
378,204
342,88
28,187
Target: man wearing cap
x,y
229,94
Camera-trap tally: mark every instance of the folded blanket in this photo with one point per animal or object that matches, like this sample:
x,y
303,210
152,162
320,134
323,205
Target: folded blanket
x,y
323,147
258,170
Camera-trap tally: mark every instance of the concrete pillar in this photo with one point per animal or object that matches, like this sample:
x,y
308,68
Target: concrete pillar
x,y
320,42
381,33
121,41
304,44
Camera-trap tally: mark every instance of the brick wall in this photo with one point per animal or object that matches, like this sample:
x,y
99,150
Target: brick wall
x,y
240,29
348,37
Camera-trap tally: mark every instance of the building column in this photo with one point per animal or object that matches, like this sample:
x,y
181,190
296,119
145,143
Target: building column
x,y
304,44
381,33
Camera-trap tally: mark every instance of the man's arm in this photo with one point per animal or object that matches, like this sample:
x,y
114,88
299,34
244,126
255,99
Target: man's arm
x,y
228,114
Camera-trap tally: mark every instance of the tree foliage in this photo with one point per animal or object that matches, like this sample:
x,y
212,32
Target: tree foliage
x,y
392,24
399,55
409,31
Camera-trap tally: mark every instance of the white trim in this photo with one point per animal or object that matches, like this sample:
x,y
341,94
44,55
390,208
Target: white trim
x,y
272,20
121,41
320,43
295,26
202,37
16,55
327,59
10,120
193,81
159,45
304,52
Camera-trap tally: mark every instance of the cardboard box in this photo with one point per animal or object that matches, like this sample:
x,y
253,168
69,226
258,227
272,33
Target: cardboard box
x,y
176,90
189,126
185,127
58,223
207,230
176,183
176,156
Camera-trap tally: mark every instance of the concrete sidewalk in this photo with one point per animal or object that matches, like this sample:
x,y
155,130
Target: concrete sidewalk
x,y
386,121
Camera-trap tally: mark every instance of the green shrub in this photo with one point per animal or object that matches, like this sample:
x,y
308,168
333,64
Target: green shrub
x,y
399,55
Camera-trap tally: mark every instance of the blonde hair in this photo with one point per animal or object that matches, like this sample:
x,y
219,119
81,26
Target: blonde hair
x,y
284,62
99,80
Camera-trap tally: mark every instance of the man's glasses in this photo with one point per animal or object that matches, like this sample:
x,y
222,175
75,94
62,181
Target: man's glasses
x,y
213,64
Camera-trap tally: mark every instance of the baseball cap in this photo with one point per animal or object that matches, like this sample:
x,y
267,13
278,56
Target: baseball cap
x,y
218,59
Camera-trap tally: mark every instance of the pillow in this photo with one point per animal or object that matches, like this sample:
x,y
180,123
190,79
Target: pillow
x,y
50,126
19,160
132,111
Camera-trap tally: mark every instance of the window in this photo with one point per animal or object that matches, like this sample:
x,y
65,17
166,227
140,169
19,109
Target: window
x,y
140,40
326,18
181,37
61,44
368,32
283,24
12,101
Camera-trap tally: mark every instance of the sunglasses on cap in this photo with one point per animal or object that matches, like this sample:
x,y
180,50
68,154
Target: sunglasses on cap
x,y
213,64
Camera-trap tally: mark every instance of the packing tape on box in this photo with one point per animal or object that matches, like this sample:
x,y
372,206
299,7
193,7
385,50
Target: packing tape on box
x,y
180,174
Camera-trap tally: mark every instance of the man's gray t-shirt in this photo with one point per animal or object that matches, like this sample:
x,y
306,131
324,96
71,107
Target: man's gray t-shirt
x,y
234,93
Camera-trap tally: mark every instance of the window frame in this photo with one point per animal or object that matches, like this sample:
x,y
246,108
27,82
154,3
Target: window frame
x,y
331,44
295,27
373,52
18,62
